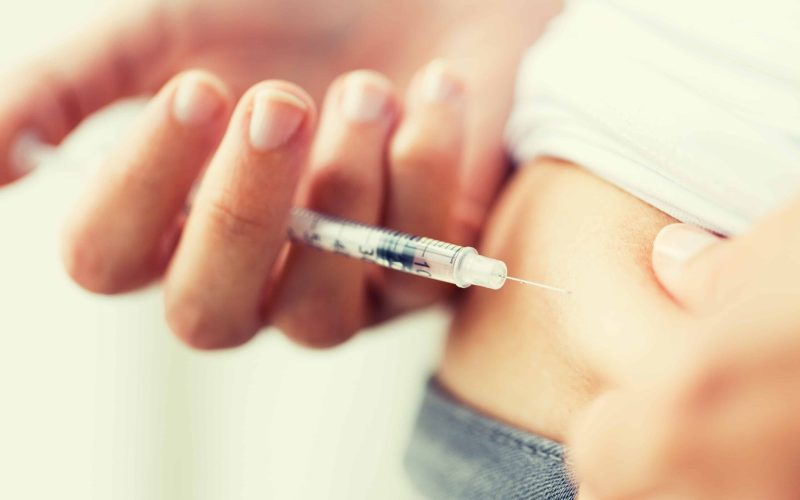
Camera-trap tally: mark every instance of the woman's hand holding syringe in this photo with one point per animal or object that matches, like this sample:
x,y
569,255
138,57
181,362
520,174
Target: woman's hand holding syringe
x,y
428,163
420,256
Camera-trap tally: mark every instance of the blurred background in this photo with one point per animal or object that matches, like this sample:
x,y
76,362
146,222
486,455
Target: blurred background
x,y
99,401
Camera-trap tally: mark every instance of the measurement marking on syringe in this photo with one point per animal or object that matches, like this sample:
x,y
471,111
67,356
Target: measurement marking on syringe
x,y
462,266
339,247
394,249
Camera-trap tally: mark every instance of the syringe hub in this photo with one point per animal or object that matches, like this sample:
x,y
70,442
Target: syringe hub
x,y
475,269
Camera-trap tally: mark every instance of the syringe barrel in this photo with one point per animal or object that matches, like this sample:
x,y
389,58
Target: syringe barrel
x,y
416,255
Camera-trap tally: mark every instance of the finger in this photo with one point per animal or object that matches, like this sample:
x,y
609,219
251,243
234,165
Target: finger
x,y
621,446
118,237
346,179
237,226
701,271
424,163
128,54
741,436
489,73
690,263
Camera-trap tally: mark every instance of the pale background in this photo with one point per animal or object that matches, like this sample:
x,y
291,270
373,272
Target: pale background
x,y
98,401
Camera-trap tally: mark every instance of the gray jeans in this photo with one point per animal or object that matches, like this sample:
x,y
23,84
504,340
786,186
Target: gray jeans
x,y
456,453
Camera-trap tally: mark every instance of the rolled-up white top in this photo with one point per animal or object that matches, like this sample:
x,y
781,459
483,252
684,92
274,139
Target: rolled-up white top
x,y
691,105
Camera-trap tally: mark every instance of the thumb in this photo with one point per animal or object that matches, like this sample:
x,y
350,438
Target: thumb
x,y
125,54
694,265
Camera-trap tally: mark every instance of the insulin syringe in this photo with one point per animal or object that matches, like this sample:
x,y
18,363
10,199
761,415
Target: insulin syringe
x,y
424,257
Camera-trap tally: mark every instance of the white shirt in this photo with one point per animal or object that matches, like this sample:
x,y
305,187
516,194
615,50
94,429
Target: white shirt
x,y
691,105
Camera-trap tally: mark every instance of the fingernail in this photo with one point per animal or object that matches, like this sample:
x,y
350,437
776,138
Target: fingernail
x,y
439,84
196,100
275,119
677,244
365,98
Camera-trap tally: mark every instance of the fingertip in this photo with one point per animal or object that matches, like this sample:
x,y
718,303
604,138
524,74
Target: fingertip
x,y
199,98
197,326
81,265
438,83
606,441
278,115
295,91
433,128
276,118
86,263
674,247
307,330
366,97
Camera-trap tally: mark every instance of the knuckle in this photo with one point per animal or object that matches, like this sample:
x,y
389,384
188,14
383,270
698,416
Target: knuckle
x,y
233,222
199,328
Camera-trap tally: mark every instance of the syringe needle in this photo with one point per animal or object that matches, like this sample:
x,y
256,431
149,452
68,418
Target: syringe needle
x,y
539,285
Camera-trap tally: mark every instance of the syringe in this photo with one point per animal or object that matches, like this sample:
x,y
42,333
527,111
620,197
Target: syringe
x,y
424,257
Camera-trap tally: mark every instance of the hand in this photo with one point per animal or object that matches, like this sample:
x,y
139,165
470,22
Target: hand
x,y
376,157
716,414
139,47
228,268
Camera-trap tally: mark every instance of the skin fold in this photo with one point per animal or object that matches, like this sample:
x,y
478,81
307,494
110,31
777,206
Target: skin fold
x,y
666,379
533,358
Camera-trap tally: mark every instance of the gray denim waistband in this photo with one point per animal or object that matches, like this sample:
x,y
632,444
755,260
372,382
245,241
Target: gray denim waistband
x,y
456,453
